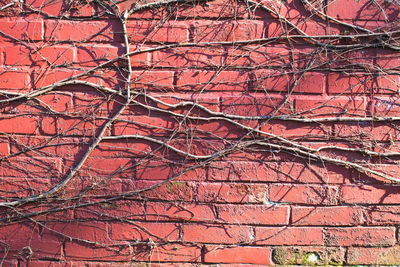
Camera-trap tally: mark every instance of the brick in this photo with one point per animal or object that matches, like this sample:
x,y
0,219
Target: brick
x,y
91,56
75,126
154,80
124,148
120,255
353,59
185,103
227,31
22,107
223,57
360,130
215,9
129,209
81,31
38,167
89,102
158,14
185,57
158,170
383,106
48,126
362,10
140,253
195,80
310,27
140,59
46,77
141,231
253,214
327,216
91,231
231,193
258,153
289,236
383,215
46,146
388,84
108,77
174,190
161,211
90,186
106,167
243,171
83,9
328,107
78,251
145,125
157,31
194,57
382,132
278,56
291,172
374,256
290,9
31,30
57,101
304,194
374,25
171,253
386,147
44,215
360,236
35,250
98,77
351,84
14,80
367,131
18,124
274,81
198,146
4,148
306,255
366,178
313,173
53,8
227,234
297,130
387,59
39,56
365,194
217,254
308,56
22,187
38,263
256,105
21,240
213,128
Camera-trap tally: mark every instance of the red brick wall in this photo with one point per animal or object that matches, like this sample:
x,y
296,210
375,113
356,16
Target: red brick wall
x,y
253,133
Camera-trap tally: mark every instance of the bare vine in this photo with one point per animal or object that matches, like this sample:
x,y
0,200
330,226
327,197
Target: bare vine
x,y
119,94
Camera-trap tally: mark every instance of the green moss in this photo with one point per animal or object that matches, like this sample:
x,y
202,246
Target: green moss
x,y
109,205
307,256
174,187
283,256
335,263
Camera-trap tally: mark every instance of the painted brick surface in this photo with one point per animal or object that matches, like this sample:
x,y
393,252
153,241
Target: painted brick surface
x,y
182,133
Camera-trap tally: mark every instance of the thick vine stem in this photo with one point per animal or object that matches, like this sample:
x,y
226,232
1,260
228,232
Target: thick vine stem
x,y
166,104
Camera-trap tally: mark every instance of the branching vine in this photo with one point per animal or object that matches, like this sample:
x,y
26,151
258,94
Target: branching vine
x,y
135,112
